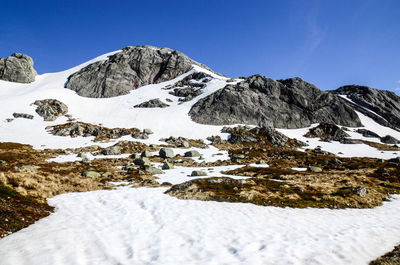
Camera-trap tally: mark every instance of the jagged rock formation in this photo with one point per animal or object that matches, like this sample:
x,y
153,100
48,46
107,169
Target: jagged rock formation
x,y
17,68
152,103
50,109
190,87
327,132
384,103
289,103
129,69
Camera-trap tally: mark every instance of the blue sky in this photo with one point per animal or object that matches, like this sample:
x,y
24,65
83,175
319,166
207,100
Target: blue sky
x,y
328,43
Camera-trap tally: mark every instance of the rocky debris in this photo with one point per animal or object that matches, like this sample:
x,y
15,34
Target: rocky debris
x,y
190,87
23,115
216,140
192,153
91,174
327,132
17,68
152,103
289,103
394,160
198,173
50,109
389,140
166,153
122,147
154,170
74,129
314,169
129,69
143,161
146,154
167,165
184,142
367,133
261,135
386,104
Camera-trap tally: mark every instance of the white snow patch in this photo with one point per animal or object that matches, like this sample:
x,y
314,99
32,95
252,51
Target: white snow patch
x,y
145,226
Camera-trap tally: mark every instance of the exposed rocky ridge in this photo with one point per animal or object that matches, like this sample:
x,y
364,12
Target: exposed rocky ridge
x,y
289,103
384,103
129,69
17,68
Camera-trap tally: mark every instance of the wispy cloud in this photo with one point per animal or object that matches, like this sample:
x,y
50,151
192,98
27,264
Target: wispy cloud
x,y
315,33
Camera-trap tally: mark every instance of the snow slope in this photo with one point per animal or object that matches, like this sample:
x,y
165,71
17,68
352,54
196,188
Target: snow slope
x,y
145,226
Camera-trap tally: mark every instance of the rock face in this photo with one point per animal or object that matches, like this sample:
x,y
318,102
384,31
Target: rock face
x,y
153,103
289,103
17,68
129,69
384,103
50,109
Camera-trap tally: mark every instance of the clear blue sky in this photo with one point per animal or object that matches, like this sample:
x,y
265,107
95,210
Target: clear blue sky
x,y
328,42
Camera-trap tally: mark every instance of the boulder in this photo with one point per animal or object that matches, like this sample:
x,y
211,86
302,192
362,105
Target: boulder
x,y
129,69
367,133
314,169
327,131
154,170
167,165
17,68
198,173
389,140
112,150
146,154
153,103
91,174
166,153
192,153
143,161
50,109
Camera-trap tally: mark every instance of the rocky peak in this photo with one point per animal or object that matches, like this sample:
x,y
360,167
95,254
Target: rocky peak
x,y
17,68
133,67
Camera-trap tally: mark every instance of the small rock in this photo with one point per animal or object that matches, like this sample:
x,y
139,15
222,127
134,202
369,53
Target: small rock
x,y
389,140
135,156
106,174
184,144
167,165
154,170
395,160
314,169
147,131
260,162
81,155
192,153
91,174
166,153
143,161
360,191
198,173
86,161
146,154
29,167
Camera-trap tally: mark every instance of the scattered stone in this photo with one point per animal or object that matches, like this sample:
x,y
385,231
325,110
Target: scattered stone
x,y
198,173
192,153
50,109
259,162
81,155
351,141
166,153
135,156
395,160
17,68
360,191
23,115
106,174
112,150
86,161
29,167
184,144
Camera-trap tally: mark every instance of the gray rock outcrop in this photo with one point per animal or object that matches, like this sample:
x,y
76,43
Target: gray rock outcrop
x,y
289,103
386,104
50,109
17,68
152,103
129,69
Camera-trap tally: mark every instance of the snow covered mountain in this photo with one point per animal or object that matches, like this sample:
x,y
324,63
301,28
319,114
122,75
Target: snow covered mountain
x,y
252,140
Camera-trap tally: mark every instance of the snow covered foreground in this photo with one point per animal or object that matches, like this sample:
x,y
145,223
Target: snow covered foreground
x,y
145,226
